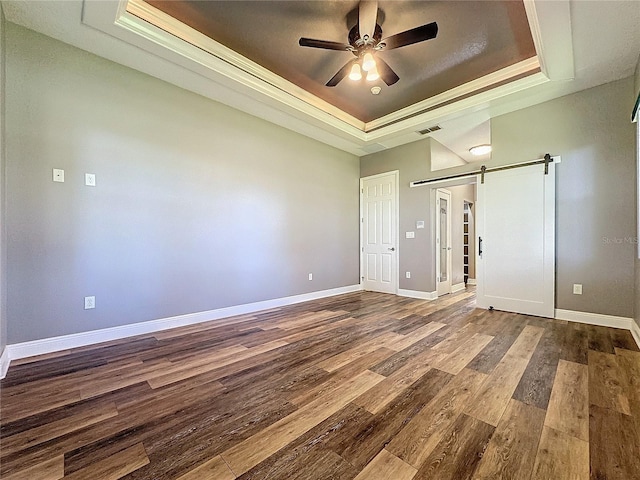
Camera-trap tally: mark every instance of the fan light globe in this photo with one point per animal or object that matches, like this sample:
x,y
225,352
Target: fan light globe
x,y
355,74
368,62
373,74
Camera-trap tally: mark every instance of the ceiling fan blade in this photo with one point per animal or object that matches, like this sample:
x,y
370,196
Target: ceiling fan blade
x,y
337,78
367,17
386,72
409,37
327,45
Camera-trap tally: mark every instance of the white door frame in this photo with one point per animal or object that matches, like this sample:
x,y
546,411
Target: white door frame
x,y
396,226
439,192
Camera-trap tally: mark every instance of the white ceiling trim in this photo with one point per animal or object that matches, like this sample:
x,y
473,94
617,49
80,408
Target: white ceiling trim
x,y
550,24
136,15
505,74
259,87
210,58
448,111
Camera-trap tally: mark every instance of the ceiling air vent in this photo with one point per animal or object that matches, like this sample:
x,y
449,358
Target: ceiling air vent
x,y
435,128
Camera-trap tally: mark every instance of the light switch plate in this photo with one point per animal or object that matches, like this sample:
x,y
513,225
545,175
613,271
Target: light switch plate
x,y
577,289
407,274
411,234
58,175
90,179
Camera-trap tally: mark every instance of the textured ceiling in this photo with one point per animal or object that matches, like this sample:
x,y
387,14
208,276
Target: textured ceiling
x,y
474,39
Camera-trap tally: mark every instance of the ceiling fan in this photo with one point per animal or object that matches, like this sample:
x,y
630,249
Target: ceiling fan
x,y
365,40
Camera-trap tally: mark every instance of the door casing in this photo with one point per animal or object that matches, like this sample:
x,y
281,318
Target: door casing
x,y
443,287
395,228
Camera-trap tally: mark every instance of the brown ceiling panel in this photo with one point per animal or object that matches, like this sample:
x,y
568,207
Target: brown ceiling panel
x,y
474,39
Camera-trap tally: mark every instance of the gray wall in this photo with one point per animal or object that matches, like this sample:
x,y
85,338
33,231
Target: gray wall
x,y
636,93
637,80
596,214
197,206
3,231
442,157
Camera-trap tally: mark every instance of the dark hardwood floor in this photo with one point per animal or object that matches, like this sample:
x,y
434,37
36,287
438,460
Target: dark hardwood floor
x,y
364,385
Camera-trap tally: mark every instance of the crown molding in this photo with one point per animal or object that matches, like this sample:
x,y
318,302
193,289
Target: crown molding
x,y
140,17
262,93
528,66
451,110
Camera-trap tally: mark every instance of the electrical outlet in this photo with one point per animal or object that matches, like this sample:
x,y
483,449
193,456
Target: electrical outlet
x,y
407,274
577,289
89,302
90,179
58,175
311,276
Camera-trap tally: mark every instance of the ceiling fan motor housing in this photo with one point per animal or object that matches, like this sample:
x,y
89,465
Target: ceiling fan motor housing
x,y
359,43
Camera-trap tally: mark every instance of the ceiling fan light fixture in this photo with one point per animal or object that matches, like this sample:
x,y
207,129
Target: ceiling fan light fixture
x,y
368,62
480,150
373,75
356,73
364,39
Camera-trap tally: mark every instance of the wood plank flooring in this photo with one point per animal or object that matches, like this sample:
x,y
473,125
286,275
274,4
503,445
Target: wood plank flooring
x,y
362,386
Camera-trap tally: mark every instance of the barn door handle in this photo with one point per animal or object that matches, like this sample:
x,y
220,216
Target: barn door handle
x,y
480,246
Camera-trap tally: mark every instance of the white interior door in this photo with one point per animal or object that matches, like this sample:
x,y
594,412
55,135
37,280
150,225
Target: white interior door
x,y
443,241
515,227
379,233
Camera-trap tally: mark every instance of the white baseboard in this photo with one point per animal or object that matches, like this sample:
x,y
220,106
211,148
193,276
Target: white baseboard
x,y
601,320
417,294
65,342
471,281
594,319
458,287
635,331
4,362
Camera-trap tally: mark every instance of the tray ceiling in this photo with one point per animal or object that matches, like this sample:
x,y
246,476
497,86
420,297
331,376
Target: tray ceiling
x,y
141,36
475,39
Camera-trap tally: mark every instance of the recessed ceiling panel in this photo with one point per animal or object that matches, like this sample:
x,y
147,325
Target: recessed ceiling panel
x,y
474,39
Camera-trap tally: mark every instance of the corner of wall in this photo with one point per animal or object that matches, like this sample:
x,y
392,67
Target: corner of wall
x,y
637,79
3,233
635,328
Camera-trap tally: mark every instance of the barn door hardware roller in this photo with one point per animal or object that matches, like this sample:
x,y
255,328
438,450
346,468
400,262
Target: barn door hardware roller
x,y
547,159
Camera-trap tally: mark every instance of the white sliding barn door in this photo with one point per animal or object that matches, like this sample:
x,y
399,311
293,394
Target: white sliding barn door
x,y
516,240
379,233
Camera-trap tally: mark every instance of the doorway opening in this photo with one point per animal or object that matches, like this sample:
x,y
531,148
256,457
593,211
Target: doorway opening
x,y
515,234
454,236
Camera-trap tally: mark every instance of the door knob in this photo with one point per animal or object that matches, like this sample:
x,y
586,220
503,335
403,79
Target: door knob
x,y
392,249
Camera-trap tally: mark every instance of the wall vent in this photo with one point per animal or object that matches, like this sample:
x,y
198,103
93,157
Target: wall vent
x,y
435,128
